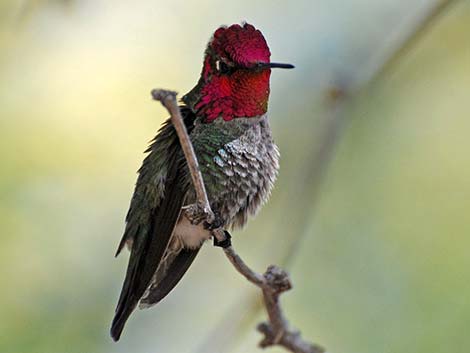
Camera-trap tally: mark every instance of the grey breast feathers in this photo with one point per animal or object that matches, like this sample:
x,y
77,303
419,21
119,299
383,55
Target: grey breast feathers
x,y
244,170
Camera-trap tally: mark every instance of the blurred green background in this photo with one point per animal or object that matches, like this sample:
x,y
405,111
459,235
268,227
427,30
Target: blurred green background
x,y
374,186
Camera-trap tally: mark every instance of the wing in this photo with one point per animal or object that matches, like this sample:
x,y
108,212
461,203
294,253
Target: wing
x,y
155,208
175,271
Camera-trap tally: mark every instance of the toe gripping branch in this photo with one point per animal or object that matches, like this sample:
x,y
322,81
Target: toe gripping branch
x,y
218,223
224,243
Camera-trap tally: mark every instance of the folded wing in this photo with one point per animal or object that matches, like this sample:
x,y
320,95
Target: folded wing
x,y
155,207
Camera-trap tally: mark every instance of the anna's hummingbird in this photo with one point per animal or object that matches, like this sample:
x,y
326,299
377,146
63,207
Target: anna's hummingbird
x,y
225,115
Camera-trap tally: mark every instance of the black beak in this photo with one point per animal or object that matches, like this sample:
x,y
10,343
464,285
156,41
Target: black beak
x,y
273,66
280,66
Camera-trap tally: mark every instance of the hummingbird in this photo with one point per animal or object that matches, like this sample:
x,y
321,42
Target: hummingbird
x,y
225,115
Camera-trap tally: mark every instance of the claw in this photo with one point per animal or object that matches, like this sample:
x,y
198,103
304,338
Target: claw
x,y
216,223
224,243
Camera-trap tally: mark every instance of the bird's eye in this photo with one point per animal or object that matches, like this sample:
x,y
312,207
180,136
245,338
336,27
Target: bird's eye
x,y
222,67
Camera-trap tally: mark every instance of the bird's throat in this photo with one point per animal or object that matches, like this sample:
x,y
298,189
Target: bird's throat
x,y
245,93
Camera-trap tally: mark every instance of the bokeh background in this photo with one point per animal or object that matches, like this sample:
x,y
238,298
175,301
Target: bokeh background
x,y
370,213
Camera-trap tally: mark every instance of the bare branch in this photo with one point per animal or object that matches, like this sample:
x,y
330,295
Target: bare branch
x,y
168,99
273,282
241,267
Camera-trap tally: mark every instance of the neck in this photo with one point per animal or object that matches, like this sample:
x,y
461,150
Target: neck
x,y
244,94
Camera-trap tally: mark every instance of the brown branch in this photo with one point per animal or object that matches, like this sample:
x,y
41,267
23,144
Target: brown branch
x,y
168,99
241,267
273,282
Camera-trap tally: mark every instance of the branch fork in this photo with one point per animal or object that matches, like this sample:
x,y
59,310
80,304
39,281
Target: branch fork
x,y
273,282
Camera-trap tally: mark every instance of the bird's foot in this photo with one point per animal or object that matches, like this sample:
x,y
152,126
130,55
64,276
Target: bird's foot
x,y
215,224
224,243
195,213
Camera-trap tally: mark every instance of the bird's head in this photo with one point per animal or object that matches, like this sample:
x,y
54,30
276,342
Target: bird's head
x,y
235,75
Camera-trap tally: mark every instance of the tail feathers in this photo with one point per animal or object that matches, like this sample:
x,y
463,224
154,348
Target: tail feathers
x,y
120,320
156,291
175,271
129,296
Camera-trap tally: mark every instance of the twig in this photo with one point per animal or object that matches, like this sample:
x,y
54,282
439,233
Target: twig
x,y
273,282
168,99
241,267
